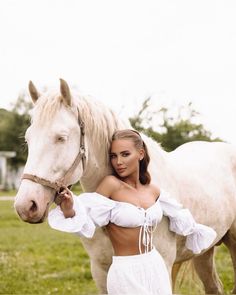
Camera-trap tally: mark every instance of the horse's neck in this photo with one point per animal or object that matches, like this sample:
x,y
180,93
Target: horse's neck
x,y
96,169
160,166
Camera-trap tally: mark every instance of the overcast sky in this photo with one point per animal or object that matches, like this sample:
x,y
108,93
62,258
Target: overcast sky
x,y
123,51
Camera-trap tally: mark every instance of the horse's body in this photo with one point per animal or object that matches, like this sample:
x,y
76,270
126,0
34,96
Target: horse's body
x,y
201,175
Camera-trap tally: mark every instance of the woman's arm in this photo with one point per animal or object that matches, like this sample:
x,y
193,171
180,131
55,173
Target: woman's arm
x,y
81,214
105,188
182,222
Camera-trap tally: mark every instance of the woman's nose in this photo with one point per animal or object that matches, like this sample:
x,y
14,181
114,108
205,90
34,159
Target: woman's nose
x,y
119,161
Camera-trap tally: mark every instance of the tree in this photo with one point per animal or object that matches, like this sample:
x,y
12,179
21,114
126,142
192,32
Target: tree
x,y
173,130
12,129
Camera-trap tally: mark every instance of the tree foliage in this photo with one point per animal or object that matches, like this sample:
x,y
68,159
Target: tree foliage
x,y
13,125
170,130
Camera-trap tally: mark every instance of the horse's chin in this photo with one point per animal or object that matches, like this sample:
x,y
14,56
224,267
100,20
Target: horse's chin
x,y
40,220
34,218
35,221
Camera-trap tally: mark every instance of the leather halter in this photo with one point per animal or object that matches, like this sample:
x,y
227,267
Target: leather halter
x,y
62,183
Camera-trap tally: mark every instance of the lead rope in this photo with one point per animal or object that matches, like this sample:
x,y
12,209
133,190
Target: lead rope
x,y
153,228
139,239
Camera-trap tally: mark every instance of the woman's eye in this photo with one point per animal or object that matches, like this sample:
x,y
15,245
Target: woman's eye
x,y
125,154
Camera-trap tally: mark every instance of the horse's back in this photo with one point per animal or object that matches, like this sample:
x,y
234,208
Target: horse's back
x,y
200,156
206,176
205,149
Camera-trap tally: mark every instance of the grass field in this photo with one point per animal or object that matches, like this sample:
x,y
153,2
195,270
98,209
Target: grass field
x,y
35,259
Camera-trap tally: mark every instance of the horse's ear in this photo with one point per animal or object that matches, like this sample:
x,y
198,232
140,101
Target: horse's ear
x,y
33,92
65,92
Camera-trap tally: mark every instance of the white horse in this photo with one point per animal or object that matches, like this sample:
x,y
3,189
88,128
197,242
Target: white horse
x,y
201,175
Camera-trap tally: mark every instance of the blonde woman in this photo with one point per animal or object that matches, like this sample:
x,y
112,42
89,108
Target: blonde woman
x,y
130,207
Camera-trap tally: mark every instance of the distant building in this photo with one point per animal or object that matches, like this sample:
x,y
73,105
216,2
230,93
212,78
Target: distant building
x,y
5,182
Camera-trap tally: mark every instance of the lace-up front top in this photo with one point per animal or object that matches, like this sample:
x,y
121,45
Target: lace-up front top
x,y
93,209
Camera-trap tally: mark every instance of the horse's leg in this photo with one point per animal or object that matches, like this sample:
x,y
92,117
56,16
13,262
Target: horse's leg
x,y
174,273
230,241
100,252
206,270
99,273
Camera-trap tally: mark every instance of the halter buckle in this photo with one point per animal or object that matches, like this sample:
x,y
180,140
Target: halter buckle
x,y
82,150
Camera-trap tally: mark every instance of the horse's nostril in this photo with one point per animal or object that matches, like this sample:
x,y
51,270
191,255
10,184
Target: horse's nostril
x,y
33,207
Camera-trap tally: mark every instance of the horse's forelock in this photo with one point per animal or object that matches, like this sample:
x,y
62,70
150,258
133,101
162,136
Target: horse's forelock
x,y
46,108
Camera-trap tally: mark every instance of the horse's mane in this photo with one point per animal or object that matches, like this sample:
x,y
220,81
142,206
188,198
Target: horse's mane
x,y
100,121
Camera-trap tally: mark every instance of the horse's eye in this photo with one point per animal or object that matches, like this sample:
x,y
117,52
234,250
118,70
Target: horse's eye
x,y
61,139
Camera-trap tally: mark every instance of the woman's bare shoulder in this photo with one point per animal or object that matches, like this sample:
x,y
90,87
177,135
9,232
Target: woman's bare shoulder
x,y
110,180
156,189
108,185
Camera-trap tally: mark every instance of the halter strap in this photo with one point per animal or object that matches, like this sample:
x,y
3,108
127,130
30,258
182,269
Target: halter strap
x,y
55,185
62,183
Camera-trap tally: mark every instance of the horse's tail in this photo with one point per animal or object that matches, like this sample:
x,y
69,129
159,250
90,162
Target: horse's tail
x,y
188,267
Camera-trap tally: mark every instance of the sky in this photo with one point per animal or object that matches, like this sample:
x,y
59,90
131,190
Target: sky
x,y
122,52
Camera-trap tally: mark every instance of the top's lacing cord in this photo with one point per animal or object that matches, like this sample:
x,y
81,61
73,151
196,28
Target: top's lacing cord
x,y
146,235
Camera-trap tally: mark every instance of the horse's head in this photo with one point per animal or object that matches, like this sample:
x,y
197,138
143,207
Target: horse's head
x,y
54,152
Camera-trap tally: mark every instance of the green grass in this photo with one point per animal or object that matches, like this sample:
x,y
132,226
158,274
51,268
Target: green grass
x,y
7,193
189,283
35,259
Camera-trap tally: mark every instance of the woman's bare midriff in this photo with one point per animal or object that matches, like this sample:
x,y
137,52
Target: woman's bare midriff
x,y
125,240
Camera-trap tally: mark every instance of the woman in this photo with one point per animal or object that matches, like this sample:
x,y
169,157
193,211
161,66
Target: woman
x,y
130,207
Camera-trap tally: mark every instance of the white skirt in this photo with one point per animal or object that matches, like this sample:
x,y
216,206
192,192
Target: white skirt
x,y
142,274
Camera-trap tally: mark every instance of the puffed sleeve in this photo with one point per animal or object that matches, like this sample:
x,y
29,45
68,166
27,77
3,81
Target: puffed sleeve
x,y
91,210
199,236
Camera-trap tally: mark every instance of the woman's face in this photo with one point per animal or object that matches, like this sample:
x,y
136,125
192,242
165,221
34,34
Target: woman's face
x,y
125,157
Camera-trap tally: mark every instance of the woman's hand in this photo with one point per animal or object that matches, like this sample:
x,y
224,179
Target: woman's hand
x,y
66,203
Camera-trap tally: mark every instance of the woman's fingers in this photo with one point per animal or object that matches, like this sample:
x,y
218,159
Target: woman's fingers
x,y
62,196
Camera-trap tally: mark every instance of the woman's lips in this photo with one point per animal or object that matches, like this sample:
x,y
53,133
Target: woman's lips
x,y
120,170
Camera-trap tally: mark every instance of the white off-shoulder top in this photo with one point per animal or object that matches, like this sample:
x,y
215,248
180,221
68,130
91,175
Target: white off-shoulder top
x,y
94,210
